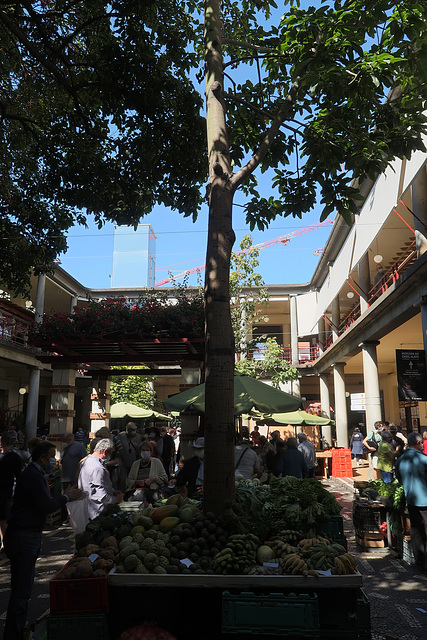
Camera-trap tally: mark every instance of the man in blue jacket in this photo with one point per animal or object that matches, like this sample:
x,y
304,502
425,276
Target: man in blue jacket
x,y
32,503
411,471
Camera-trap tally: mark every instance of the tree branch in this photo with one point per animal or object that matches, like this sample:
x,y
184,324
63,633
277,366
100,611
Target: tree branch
x,y
248,45
266,114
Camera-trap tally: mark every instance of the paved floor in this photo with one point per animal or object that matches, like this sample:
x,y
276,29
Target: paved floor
x,y
398,594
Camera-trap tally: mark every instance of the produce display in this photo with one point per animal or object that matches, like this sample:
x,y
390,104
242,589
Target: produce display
x,y
268,529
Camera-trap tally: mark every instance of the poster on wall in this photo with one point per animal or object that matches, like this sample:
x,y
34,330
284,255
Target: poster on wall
x,y
411,374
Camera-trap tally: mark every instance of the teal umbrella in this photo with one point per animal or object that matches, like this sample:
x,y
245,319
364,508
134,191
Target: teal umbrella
x,y
296,417
123,409
249,394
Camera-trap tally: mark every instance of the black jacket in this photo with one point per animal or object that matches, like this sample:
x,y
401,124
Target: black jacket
x,y
188,475
32,501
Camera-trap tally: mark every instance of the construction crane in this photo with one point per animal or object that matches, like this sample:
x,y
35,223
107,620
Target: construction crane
x,y
263,245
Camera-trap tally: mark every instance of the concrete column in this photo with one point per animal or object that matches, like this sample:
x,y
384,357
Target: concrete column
x,y
294,331
423,308
321,327
419,207
73,303
341,421
63,391
296,388
34,383
32,403
371,383
336,318
364,282
100,397
41,288
325,403
190,377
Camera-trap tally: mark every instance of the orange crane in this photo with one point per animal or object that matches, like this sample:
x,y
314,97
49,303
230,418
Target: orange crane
x,y
269,243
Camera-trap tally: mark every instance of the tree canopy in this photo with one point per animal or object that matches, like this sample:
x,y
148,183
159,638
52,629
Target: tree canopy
x,y
96,110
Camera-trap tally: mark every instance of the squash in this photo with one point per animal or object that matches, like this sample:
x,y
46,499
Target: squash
x,y
176,499
186,514
264,553
164,512
167,524
145,521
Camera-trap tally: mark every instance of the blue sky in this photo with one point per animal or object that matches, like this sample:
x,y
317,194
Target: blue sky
x,y
181,245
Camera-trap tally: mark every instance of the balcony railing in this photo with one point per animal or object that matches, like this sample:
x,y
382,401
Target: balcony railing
x,y
305,354
14,330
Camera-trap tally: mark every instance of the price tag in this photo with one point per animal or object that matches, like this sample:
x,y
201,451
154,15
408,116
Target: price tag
x,y
187,562
274,565
324,573
93,557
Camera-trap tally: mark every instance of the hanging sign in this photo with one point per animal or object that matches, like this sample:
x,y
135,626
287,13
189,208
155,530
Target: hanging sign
x,y
358,402
411,374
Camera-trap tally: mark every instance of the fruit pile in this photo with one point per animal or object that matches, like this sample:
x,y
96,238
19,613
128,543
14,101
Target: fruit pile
x,y
238,557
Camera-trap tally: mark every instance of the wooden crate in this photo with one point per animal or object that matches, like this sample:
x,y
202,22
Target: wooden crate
x,y
369,540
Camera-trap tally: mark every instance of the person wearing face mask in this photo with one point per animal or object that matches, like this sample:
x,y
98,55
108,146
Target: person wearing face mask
x,y
32,503
95,480
127,443
190,477
147,474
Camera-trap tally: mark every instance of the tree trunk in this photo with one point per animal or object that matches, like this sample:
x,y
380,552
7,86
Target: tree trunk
x,y
219,361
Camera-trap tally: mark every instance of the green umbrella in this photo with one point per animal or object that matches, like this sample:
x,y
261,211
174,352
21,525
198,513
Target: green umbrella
x,y
123,409
249,394
296,417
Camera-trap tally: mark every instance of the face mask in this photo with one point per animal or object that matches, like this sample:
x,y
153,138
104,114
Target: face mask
x,y
145,455
200,453
152,436
50,466
107,459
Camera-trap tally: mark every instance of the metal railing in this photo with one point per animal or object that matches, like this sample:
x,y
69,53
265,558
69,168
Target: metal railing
x,y
14,330
305,354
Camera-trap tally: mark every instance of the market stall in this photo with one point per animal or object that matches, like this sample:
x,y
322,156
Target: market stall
x,y
273,564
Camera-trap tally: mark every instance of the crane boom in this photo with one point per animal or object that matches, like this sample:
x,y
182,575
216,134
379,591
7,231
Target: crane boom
x,y
263,245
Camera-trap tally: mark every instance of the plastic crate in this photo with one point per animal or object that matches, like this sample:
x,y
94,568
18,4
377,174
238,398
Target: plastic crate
x,y
75,626
334,528
340,454
368,517
351,620
79,596
275,614
404,548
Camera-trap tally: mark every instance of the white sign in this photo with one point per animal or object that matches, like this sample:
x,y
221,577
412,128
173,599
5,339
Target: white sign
x,y
358,402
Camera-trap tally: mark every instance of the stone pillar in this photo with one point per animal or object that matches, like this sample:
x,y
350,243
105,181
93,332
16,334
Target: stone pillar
x,y
294,331
364,282
296,388
371,383
34,384
100,396
341,421
63,391
41,288
336,318
325,404
73,303
32,403
423,308
419,207
190,377
321,327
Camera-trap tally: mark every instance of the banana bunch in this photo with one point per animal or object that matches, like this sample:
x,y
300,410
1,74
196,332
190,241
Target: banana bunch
x,y
293,564
306,543
345,564
282,548
291,536
238,557
322,556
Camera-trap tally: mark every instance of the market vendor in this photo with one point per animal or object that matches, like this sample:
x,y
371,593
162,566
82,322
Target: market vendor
x,y
147,475
190,477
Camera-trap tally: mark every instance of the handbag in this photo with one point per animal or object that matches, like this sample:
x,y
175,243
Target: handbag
x,y
373,444
79,513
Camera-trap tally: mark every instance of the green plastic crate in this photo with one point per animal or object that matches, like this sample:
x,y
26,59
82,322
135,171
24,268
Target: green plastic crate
x,y
348,619
275,614
89,627
334,527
